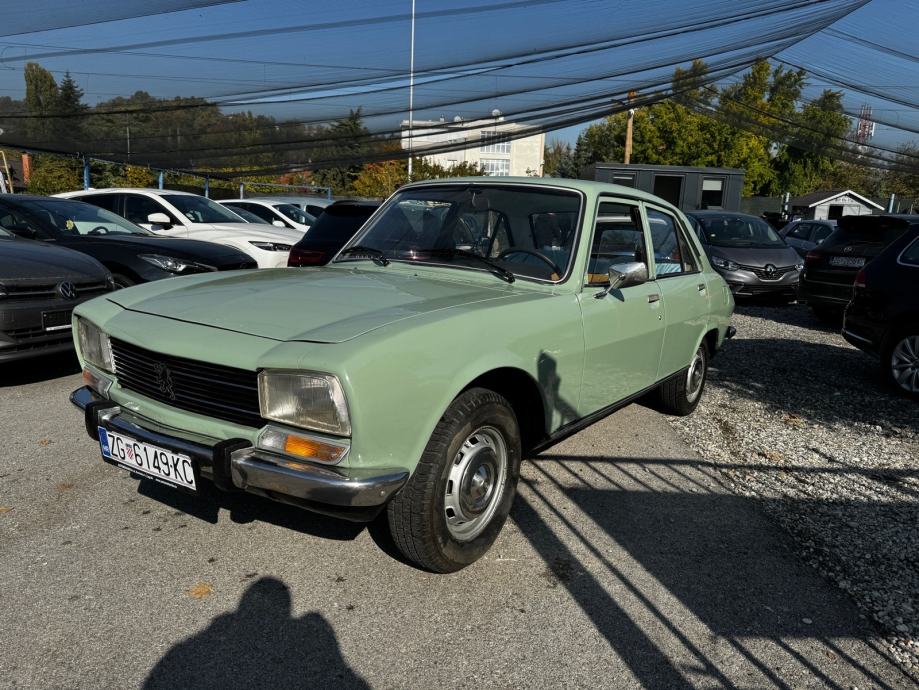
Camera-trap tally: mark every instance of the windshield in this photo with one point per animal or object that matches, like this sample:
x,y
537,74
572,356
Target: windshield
x,y
529,231
295,213
66,217
739,231
201,210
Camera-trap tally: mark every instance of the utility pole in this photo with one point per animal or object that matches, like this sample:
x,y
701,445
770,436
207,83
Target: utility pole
x,y
411,92
628,136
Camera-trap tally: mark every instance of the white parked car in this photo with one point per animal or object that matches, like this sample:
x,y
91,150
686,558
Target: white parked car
x,y
313,205
278,213
180,214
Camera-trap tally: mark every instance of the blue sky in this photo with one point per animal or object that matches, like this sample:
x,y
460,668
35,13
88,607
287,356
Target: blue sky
x,y
325,61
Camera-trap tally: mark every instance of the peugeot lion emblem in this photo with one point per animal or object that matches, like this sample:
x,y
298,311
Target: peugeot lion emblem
x,y
67,290
164,380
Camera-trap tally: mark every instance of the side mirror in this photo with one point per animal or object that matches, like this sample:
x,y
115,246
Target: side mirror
x,y
160,219
627,274
278,224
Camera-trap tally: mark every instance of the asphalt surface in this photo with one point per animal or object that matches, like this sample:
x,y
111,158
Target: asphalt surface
x,y
626,563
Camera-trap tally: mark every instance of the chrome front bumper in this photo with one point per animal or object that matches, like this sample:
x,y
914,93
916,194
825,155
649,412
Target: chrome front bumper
x,y
234,464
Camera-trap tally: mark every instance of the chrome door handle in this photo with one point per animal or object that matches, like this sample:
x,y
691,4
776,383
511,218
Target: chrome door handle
x,y
654,297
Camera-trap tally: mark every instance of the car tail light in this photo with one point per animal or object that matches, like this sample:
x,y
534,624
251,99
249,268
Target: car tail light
x,y
812,257
305,257
861,279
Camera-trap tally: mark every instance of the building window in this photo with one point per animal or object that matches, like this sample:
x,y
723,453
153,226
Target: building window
x,y
712,193
496,167
494,143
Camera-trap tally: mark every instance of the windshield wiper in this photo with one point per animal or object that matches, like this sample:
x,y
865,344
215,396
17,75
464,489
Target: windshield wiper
x,y
376,255
496,269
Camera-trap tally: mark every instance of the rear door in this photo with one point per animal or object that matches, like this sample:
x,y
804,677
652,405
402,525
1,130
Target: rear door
x,y
683,287
624,328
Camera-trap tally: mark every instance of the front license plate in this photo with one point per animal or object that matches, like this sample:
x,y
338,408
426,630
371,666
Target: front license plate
x,y
153,461
55,320
847,261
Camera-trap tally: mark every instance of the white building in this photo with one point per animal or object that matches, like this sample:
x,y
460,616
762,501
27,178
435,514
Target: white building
x,y
832,205
486,144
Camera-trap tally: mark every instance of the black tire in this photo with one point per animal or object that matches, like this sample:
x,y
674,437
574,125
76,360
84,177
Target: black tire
x,y
887,352
122,281
675,395
418,515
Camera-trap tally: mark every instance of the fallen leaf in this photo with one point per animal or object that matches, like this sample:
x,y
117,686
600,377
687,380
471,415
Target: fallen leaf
x,y
793,420
4,509
773,456
200,590
45,442
61,488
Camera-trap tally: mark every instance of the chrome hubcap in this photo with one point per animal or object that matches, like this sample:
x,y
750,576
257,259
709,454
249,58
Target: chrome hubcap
x,y
695,376
904,363
475,483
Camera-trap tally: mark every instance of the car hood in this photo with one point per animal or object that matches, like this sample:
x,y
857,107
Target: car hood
x,y
753,256
28,260
325,305
250,231
180,248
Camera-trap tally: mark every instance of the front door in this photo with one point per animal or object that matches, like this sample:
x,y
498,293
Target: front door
x,y
623,328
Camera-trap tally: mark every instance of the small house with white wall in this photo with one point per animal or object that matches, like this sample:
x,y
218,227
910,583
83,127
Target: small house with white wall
x,y
832,205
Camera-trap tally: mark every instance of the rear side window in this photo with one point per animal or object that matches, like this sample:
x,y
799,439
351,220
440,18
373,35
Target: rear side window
x,y
910,256
672,254
137,208
801,231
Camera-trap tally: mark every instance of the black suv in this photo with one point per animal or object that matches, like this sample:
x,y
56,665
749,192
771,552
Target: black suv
x,y
328,234
830,269
883,316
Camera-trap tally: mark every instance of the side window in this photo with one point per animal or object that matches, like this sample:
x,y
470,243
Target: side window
x,y
106,201
138,207
20,225
672,253
266,214
618,238
801,231
910,256
822,232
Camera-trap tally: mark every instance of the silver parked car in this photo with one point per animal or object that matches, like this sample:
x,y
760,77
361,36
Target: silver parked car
x,y
804,235
748,253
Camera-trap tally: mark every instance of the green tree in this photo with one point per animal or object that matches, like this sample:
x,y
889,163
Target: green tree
x,y
41,101
54,174
556,157
346,141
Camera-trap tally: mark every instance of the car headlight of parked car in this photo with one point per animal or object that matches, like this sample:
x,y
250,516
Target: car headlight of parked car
x,y
172,264
271,246
95,346
799,267
726,264
306,400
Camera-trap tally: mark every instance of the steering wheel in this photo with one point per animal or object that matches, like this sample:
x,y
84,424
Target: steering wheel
x,y
519,250
99,230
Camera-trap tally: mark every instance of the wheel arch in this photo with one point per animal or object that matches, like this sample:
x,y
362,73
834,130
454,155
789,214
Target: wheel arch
x,y
525,396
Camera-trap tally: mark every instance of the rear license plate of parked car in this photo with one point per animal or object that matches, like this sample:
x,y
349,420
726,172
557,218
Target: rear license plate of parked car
x,y
55,320
847,261
153,461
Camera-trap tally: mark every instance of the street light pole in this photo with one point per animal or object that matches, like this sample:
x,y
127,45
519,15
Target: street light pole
x,y
411,93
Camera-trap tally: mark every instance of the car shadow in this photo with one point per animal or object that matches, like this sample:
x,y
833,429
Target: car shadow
x,y
245,508
38,369
259,645
644,545
798,314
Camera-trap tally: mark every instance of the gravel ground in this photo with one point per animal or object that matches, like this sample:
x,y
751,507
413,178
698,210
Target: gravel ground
x,y
800,420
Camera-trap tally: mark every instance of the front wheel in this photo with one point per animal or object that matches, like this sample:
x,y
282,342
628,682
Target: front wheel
x,y
457,500
681,394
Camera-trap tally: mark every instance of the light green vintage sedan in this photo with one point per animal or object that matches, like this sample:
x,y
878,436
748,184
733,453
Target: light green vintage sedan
x,y
470,323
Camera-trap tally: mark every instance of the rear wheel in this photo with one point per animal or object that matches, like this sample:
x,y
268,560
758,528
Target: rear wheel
x,y
901,362
455,504
681,394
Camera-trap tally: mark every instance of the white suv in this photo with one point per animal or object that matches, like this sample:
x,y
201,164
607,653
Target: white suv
x,y
180,214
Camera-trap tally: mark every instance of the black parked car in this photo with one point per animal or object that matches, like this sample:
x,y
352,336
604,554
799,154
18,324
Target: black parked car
x,y
131,253
883,316
330,231
40,284
748,253
830,269
805,235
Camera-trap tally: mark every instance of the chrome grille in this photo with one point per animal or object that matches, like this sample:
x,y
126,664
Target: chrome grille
x,y
208,389
761,273
23,291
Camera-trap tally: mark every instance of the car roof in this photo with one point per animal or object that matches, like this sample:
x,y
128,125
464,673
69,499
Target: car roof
x,y
144,190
